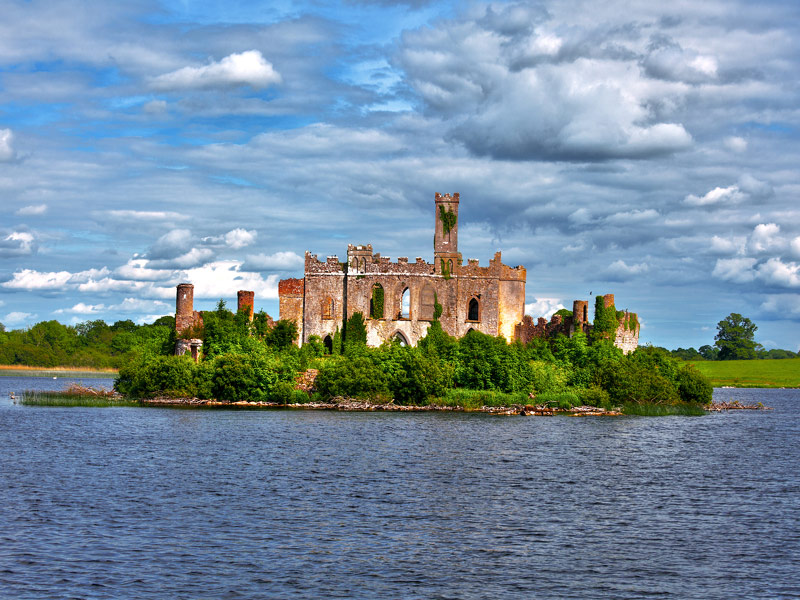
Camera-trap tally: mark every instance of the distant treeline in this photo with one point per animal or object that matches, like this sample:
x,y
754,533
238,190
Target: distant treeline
x,y
89,344
713,353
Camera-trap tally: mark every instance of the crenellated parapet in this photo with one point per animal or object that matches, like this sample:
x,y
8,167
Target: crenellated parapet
x,y
331,265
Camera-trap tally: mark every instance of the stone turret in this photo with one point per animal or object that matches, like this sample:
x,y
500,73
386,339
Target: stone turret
x,y
580,312
245,300
184,307
445,237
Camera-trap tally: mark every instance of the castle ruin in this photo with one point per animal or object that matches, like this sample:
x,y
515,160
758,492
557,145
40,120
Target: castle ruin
x,y
398,300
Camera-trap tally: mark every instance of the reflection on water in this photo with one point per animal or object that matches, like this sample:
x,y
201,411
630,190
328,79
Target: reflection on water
x,y
155,503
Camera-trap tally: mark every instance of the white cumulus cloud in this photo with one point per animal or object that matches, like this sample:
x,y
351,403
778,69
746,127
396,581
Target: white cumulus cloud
x,y
246,68
17,318
780,274
543,307
736,144
239,238
82,309
765,237
7,152
28,279
18,243
736,270
619,270
32,210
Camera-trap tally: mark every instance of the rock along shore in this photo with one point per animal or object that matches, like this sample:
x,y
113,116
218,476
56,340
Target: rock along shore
x,y
350,404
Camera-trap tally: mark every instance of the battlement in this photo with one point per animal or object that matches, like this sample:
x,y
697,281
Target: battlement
x,y
447,197
331,265
291,287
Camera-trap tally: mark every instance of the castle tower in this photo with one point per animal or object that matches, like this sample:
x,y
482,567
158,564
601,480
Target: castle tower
x,y
184,307
445,238
608,300
580,312
291,295
245,300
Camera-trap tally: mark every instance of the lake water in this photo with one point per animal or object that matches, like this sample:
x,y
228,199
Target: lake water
x,y
168,503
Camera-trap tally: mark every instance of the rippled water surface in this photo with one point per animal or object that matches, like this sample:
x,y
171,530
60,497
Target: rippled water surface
x,y
166,503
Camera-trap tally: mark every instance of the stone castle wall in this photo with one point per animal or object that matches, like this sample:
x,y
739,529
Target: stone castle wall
x,y
626,336
489,299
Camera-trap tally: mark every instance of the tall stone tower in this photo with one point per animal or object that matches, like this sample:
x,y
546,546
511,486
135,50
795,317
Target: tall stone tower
x,y
446,256
184,307
245,301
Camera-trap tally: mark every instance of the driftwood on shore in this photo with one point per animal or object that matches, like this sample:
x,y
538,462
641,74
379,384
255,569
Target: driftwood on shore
x,y
736,405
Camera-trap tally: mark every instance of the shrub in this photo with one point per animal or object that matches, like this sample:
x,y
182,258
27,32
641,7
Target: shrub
x,y
548,377
413,377
351,377
693,386
564,400
631,381
593,396
159,375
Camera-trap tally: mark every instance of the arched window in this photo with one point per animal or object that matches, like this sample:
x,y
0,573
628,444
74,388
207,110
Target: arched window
x,y
363,265
328,342
400,338
405,304
450,267
473,310
327,308
584,313
376,302
427,300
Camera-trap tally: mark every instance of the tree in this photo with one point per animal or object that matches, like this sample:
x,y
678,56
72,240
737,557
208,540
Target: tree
x,y
355,332
735,338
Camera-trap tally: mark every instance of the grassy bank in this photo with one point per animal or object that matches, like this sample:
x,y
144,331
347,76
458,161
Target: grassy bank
x,y
23,371
752,373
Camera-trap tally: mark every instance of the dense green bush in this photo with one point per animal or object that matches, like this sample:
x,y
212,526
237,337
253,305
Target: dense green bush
x,y
633,381
352,377
693,386
158,375
484,362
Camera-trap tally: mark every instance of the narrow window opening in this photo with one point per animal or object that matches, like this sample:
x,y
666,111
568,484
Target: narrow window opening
x,y
473,312
405,304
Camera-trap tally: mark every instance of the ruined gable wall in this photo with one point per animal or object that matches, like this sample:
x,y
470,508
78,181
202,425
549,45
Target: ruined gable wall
x,y
627,335
291,295
322,280
365,270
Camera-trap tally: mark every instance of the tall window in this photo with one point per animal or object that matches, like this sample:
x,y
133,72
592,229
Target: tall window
x,y
427,299
327,308
405,304
473,311
376,302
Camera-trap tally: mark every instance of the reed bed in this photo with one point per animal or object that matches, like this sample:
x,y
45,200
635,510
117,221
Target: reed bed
x,y
76,395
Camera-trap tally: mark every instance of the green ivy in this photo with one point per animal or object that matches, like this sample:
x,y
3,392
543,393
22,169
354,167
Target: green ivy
x,y
605,320
445,270
448,218
376,308
437,308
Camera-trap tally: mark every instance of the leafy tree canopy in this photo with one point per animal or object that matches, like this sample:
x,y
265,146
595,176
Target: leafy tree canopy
x,y
735,338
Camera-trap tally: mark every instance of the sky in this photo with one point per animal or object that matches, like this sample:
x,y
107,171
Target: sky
x,y
644,149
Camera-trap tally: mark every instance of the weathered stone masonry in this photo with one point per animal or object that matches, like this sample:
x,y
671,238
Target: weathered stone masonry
x,y
397,299
490,299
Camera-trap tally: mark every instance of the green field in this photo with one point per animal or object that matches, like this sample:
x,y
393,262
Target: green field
x,y
752,373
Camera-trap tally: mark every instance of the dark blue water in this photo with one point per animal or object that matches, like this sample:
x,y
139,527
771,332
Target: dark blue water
x,y
160,503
